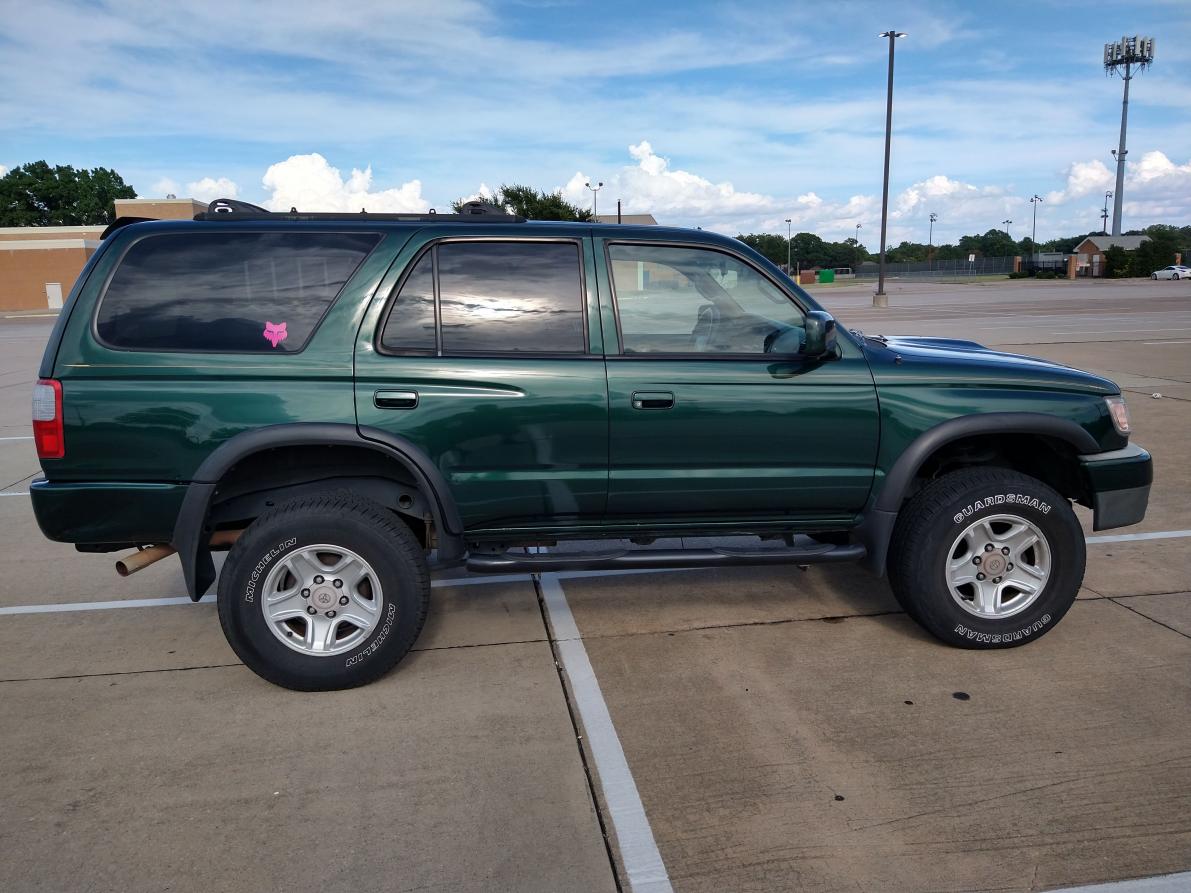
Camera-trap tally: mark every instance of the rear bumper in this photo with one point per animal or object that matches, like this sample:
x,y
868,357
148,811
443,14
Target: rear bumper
x,y
106,513
1119,484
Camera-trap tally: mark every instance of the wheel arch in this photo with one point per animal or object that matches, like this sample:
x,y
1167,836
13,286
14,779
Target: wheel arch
x,y
876,529
192,529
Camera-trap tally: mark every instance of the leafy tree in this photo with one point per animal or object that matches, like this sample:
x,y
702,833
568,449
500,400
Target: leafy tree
x,y
768,244
36,194
533,204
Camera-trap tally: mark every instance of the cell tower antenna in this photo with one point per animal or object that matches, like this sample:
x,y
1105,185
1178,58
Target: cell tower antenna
x,y
1124,57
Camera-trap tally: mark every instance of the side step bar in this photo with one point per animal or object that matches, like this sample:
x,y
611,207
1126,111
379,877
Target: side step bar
x,y
719,556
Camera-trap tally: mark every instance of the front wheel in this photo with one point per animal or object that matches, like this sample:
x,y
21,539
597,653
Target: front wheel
x,y
324,593
987,558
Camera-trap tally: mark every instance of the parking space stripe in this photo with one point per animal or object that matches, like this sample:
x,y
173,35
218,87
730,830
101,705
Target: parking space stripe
x,y
1133,537
24,437
643,866
1162,883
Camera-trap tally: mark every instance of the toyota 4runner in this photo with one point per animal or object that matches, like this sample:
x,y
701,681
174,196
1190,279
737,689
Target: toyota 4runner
x,y
348,401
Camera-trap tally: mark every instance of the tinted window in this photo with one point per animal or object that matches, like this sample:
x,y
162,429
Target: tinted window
x,y
259,292
410,326
510,296
694,300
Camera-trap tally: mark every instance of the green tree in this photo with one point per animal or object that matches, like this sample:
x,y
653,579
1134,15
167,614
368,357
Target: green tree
x,y
533,204
768,244
36,194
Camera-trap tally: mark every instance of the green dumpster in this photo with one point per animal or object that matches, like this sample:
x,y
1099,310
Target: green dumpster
x,y
827,276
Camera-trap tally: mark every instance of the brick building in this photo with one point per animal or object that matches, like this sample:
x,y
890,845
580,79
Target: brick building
x,y
39,264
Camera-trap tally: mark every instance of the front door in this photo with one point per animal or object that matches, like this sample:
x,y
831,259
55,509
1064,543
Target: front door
x,y
716,413
483,360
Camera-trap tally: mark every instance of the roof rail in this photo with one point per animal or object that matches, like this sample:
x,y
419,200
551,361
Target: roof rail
x,y
470,212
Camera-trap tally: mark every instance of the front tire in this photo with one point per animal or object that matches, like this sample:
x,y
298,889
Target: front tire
x,y
987,558
324,593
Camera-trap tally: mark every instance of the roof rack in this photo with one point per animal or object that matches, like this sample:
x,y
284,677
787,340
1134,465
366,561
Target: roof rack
x,y
470,212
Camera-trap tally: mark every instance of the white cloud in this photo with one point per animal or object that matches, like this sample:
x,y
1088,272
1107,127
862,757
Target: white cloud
x,y
208,189
651,186
3,170
309,183
1083,178
163,187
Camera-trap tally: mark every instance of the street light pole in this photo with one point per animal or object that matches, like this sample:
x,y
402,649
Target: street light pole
x,y
930,239
1034,232
880,299
1104,214
594,194
1006,223
789,242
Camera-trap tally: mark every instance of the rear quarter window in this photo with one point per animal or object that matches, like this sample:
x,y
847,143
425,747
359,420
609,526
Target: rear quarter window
x,y
227,292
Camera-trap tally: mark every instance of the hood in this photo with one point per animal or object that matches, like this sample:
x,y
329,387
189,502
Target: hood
x,y
967,359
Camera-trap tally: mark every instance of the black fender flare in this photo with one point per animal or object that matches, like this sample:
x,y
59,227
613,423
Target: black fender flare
x,y
190,530
876,528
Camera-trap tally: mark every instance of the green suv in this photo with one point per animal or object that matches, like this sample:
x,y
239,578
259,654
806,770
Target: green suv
x,y
347,402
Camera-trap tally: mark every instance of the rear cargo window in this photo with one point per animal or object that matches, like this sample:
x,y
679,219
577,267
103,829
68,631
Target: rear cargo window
x,y
230,291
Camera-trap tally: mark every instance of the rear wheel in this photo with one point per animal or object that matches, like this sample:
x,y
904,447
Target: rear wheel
x,y
987,558
324,593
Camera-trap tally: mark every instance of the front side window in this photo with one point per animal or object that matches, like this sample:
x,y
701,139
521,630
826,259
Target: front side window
x,y
229,291
493,297
680,300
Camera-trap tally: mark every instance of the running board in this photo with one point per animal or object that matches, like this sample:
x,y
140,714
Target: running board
x,y
719,556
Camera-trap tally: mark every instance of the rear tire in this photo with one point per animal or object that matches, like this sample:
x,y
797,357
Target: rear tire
x,y
1019,530
324,593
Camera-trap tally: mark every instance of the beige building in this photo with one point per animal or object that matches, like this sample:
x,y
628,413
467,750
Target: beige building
x,y
39,264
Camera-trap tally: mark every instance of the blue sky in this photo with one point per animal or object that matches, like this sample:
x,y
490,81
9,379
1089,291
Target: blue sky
x,y
731,116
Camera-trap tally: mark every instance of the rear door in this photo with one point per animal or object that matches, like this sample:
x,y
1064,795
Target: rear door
x,y
485,355
715,411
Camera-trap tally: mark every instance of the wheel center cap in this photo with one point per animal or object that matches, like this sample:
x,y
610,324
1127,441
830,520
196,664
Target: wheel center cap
x,y
324,599
995,564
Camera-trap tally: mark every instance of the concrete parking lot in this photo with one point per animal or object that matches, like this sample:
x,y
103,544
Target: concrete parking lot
x,y
755,729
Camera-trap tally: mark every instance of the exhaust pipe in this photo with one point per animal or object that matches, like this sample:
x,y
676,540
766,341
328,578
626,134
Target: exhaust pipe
x,y
142,558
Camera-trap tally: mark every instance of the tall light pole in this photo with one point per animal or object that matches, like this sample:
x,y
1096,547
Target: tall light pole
x,y
1104,214
857,236
1127,53
880,299
1034,232
594,194
930,239
1006,223
789,242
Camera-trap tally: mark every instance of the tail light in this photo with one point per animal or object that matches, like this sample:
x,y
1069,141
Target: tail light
x,y
47,419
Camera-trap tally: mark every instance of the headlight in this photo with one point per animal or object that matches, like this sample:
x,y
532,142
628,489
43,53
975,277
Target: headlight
x,y
1120,414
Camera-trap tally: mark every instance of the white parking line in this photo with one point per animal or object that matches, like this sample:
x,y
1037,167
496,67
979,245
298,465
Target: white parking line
x,y
643,866
17,493
1163,883
25,437
1131,537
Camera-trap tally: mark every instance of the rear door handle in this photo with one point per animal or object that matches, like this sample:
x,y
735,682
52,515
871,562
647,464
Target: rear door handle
x,y
395,399
653,400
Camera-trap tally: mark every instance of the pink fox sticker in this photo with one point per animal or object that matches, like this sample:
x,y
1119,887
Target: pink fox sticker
x,y
275,332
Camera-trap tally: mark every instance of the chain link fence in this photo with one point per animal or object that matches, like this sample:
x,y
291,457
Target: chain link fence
x,y
940,269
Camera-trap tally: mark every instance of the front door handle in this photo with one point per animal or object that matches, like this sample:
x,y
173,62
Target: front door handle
x,y
395,399
653,400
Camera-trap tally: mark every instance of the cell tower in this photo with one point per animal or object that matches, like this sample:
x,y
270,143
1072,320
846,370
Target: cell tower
x,y
1128,54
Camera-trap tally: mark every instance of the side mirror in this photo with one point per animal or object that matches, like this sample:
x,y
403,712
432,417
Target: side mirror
x,y
820,334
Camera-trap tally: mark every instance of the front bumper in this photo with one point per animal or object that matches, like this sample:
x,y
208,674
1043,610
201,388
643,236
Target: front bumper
x,y
1119,485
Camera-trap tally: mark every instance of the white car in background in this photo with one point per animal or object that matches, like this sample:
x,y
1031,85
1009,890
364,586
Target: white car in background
x,y
1175,271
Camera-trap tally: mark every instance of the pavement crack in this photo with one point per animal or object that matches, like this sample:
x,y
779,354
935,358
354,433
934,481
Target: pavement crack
x,y
478,645
122,673
831,618
1115,601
